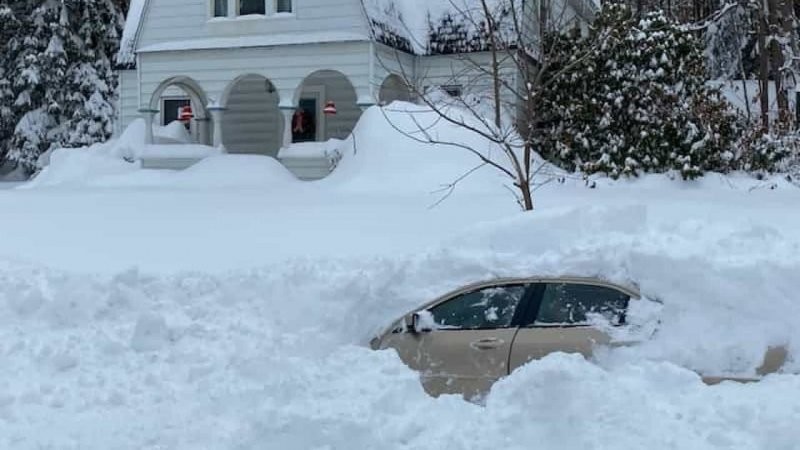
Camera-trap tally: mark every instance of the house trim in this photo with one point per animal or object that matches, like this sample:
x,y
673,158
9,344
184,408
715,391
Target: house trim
x,y
274,40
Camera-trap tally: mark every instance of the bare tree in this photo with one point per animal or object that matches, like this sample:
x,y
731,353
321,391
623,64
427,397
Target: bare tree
x,y
502,62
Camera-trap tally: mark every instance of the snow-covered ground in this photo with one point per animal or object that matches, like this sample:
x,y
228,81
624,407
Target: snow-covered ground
x,y
230,306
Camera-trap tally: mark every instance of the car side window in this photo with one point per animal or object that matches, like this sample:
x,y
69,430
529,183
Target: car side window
x,y
486,308
570,304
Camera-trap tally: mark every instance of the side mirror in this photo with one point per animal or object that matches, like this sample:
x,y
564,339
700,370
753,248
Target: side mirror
x,y
415,324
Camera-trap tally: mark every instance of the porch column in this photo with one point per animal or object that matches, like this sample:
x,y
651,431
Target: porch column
x,y
203,132
148,114
288,112
217,112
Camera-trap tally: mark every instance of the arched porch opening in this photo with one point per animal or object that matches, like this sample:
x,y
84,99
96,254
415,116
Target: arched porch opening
x,y
394,88
252,122
309,122
168,99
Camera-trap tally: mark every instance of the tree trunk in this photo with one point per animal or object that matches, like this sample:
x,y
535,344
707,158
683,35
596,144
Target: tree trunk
x,y
791,49
492,28
527,197
763,65
776,58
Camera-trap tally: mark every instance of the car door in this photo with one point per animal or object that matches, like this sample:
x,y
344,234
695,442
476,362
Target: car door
x,y
558,320
467,343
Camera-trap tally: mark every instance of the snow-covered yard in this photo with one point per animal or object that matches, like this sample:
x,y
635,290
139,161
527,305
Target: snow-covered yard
x,y
230,306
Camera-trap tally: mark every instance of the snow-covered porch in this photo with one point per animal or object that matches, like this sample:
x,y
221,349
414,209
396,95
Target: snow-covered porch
x,y
283,102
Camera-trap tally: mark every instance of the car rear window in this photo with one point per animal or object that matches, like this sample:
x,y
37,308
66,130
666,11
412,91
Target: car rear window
x,y
574,304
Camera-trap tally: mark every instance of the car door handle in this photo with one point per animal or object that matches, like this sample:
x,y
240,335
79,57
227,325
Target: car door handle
x,y
487,343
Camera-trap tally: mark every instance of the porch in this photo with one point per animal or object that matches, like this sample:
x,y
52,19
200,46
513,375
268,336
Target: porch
x,y
296,118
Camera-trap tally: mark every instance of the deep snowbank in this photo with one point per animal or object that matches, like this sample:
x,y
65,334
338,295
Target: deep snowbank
x,y
390,152
246,324
387,154
276,357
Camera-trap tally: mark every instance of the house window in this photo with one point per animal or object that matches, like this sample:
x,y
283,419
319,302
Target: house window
x,y
251,7
170,109
283,6
220,8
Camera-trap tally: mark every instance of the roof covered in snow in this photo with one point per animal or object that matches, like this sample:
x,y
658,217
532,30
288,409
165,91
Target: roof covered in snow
x,y
417,26
439,26
127,48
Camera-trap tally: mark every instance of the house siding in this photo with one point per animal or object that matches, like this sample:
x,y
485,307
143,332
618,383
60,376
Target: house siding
x,y
285,66
469,72
127,103
390,61
179,20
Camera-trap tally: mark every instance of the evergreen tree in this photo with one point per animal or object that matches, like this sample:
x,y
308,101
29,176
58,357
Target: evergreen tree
x,y
640,104
63,80
9,45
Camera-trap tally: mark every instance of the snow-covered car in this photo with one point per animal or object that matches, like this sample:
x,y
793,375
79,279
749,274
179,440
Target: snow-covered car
x,y
466,340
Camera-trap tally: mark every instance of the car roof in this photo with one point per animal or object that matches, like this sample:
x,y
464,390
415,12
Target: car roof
x,y
631,290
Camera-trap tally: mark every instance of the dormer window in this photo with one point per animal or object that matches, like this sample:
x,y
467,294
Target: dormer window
x,y
283,6
237,8
247,7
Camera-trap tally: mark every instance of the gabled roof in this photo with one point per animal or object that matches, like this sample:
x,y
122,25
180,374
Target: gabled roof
x,y
421,27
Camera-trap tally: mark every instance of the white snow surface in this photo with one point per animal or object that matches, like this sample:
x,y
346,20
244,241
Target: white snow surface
x,y
229,306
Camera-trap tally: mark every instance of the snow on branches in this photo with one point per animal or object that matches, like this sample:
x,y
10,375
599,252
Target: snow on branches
x,y
59,83
639,104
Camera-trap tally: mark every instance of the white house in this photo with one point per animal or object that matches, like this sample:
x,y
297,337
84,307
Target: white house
x,y
259,73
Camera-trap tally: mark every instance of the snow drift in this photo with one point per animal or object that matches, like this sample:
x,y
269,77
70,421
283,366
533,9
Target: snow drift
x,y
231,307
276,357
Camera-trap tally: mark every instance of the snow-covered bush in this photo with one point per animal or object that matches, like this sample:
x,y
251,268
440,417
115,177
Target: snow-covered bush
x,y
638,104
777,151
60,83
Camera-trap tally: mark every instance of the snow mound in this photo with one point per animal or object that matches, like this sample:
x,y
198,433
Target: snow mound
x,y
390,151
77,167
173,133
236,170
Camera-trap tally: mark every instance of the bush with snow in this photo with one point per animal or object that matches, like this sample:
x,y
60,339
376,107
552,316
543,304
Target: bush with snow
x,y
638,103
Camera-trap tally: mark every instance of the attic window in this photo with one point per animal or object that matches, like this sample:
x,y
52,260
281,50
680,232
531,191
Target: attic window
x,y
247,7
220,8
283,6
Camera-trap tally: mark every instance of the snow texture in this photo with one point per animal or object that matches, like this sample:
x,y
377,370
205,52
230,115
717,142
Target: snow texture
x,y
166,310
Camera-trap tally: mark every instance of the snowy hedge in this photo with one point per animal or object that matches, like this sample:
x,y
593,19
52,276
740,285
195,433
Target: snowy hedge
x,y
631,98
